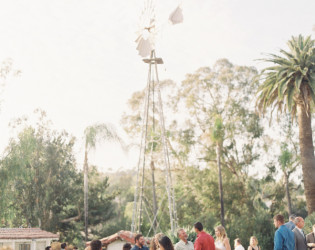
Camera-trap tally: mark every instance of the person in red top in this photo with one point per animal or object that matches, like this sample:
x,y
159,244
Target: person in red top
x,y
204,241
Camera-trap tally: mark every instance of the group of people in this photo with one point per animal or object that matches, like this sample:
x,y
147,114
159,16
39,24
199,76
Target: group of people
x,y
63,246
290,235
204,241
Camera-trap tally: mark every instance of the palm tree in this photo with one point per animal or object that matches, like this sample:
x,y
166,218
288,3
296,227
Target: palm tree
x,y
289,85
94,134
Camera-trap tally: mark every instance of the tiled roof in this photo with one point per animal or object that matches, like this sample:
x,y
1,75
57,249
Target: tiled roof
x,y
121,235
26,233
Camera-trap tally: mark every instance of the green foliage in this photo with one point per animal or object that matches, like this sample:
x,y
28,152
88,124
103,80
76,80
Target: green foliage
x,y
291,79
309,222
99,132
40,185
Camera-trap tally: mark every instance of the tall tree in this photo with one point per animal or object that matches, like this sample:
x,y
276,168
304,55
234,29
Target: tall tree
x,y
289,85
94,134
217,136
36,175
288,166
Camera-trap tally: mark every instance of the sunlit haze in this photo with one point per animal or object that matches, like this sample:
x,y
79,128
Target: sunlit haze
x,y
79,62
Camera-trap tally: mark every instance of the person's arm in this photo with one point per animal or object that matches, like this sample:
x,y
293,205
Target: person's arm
x,y
226,243
278,242
197,245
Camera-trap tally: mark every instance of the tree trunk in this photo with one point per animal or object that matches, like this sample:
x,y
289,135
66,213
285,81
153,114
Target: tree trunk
x,y
286,179
220,184
307,156
86,190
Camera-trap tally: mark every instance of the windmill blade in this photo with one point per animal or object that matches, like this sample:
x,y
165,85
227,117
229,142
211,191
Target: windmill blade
x,y
144,47
177,16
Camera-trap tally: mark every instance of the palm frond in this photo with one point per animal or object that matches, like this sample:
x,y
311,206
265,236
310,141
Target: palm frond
x,y
286,78
100,132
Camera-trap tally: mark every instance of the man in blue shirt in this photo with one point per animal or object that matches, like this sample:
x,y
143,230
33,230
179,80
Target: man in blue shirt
x,y
139,240
290,224
284,237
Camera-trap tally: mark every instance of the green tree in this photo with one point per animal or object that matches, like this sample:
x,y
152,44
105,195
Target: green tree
x,y
289,85
217,136
37,173
288,166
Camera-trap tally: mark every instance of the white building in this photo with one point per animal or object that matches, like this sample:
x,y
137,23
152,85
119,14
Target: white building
x,y
26,238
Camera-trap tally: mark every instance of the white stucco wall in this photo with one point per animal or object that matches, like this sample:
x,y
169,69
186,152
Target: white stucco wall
x,y
36,244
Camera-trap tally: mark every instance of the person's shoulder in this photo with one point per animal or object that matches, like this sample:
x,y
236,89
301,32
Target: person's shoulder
x,y
310,234
178,244
135,247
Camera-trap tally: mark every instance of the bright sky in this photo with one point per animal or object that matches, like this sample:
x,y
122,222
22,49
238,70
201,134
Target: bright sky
x,y
80,65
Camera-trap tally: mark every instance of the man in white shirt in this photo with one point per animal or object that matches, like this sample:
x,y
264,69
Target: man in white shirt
x,y
238,244
183,244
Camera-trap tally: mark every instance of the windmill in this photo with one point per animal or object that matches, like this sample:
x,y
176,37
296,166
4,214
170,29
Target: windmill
x,y
153,130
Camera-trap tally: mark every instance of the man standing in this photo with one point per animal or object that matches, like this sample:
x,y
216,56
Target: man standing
x,y
284,237
139,243
299,236
96,245
204,241
63,246
183,244
290,224
310,239
238,244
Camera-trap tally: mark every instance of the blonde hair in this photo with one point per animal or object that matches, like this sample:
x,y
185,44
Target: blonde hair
x,y
154,245
255,239
222,232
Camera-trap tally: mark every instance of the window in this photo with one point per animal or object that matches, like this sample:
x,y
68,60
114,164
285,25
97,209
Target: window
x,y
24,246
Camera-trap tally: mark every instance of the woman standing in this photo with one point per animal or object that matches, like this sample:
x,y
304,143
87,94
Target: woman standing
x,y
165,243
222,241
253,244
154,245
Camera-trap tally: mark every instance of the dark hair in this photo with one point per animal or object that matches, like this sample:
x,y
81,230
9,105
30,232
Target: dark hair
x,y
238,240
63,245
48,247
166,243
138,236
279,217
127,246
199,226
96,245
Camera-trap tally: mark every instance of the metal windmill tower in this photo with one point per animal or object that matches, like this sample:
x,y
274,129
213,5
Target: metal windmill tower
x,y
153,134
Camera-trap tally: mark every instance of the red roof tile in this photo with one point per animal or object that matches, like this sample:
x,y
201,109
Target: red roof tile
x,y
25,233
